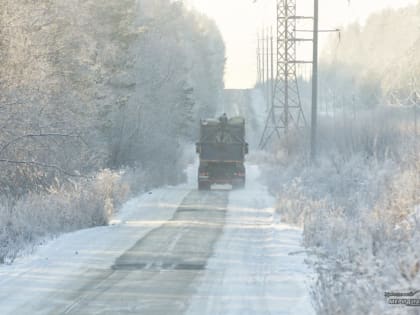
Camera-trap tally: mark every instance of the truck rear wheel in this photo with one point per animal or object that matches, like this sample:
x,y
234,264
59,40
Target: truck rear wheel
x,y
203,186
238,185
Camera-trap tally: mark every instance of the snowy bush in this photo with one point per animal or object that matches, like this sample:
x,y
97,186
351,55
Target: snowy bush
x,y
124,93
359,206
85,203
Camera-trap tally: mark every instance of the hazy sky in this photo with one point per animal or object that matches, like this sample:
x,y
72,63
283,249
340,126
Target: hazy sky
x,y
239,21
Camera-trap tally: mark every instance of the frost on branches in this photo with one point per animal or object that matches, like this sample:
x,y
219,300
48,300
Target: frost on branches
x,y
93,85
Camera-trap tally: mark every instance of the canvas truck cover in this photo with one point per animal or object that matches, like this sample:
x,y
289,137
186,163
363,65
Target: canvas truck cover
x,y
222,139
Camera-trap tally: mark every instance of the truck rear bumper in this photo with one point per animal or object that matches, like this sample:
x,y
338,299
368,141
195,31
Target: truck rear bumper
x,y
234,182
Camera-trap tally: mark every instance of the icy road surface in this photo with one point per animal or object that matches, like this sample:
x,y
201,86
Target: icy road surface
x,y
175,251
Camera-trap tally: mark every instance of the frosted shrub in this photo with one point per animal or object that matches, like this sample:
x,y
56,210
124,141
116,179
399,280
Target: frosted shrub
x,y
360,209
361,224
114,191
134,178
293,204
86,203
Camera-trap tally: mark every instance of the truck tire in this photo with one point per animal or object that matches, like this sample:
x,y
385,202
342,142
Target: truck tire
x,y
238,185
203,186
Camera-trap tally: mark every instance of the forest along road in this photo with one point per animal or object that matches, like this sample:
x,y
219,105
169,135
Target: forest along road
x,y
175,251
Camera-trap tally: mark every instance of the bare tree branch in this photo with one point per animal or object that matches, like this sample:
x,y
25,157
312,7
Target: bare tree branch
x,y
61,170
35,136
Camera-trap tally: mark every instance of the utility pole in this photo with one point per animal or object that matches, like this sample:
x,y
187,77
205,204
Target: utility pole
x,y
415,103
286,105
415,119
258,59
286,108
267,38
272,68
314,118
262,59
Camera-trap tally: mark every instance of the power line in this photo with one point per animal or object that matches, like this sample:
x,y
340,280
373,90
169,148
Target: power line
x,y
314,113
286,108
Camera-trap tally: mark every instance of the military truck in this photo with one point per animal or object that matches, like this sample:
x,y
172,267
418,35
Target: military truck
x,y
222,149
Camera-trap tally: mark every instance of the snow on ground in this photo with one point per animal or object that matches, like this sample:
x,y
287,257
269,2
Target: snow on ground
x,y
258,263
255,267
34,278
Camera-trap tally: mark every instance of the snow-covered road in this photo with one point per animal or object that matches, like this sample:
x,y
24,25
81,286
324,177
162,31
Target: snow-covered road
x,y
175,251
257,266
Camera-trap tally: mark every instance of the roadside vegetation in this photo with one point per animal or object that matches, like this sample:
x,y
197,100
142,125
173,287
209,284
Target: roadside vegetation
x,y
98,100
359,203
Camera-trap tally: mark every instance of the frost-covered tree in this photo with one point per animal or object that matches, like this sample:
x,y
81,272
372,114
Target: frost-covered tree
x,y
87,85
367,63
